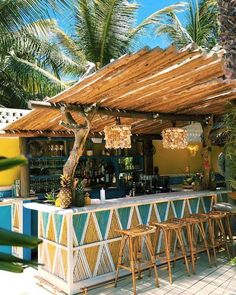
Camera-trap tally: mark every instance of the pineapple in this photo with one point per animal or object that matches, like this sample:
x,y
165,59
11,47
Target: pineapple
x,y
65,194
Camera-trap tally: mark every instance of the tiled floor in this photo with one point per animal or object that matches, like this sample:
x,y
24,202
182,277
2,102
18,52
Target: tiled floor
x,y
219,280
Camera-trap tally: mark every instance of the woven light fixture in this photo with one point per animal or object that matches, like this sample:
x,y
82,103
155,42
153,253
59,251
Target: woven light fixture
x,y
194,132
174,138
118,137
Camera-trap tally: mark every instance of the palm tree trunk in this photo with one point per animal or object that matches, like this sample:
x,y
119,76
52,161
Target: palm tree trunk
x,y
227,20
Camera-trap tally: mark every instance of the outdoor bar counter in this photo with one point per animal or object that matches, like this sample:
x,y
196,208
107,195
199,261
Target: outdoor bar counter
x,y
80,245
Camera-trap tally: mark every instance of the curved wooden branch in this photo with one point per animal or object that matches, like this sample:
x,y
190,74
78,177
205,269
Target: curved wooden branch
x,y
81,132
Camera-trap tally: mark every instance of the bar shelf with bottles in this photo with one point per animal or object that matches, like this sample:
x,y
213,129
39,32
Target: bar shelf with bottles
x,y
112,170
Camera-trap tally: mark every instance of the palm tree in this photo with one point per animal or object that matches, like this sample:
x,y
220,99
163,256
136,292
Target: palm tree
x,y
105,30
202,25
228,36
33,63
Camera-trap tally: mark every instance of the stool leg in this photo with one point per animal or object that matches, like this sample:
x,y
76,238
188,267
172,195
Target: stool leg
x,y
221,228
202,233
132,263
228,227
181,242
119,261
212,238
139,255
152,257
156,239
167,251
190,228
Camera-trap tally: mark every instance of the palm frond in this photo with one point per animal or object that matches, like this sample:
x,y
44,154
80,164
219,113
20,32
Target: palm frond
x,y
9,238
85,29
24,69
175,31
14,264
201,28
16,14
11,163
159,17
70,46
115,18
12,94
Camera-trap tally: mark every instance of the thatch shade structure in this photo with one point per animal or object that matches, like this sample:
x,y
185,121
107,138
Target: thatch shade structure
x,y
147,89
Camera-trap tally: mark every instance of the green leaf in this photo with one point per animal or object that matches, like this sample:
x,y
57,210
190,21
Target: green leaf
x,y
8,238
12,162
13,259
8,266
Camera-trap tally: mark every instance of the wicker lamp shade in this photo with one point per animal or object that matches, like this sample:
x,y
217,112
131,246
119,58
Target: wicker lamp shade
x,y
174,138
118,137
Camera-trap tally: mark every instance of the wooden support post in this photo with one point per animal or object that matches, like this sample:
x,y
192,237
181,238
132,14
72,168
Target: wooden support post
x,y
206,152
24,170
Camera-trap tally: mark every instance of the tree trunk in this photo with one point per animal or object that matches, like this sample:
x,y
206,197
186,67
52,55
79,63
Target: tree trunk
x,y
76,152
206,153
81,132
227,20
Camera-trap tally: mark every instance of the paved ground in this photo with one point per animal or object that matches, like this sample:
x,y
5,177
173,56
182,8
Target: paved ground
x,y
219,280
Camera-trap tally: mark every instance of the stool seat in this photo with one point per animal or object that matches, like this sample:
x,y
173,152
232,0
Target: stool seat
x,y
217,214
203,216
169,225
186,220
137,230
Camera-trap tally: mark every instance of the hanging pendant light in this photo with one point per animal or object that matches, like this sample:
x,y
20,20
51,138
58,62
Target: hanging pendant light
x,y
174,138
194,132
118,136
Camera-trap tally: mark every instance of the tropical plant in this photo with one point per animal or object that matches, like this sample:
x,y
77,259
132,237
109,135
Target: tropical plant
x,y
230,147
7,238
227,18
33,63
105,29
202,26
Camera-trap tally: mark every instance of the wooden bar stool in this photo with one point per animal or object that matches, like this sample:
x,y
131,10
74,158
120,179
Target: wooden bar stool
x,y
194,227
170,230
134,237
216,230
216,226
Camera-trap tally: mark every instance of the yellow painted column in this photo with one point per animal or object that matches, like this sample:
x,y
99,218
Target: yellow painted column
x,y
9,147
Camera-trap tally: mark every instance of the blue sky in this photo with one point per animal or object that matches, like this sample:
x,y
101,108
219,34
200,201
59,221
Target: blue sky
x,y
147,7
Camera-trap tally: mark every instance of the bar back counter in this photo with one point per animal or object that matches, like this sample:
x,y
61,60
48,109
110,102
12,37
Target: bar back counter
x,y
80,245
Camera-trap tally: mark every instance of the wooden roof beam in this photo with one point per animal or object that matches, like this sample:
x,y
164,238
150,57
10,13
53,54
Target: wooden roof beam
x,y
117,112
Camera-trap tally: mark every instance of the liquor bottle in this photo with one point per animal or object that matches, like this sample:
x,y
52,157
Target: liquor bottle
x,y
114,178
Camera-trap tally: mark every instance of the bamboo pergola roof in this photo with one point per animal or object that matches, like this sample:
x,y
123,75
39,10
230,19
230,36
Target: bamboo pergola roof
x,y
149,89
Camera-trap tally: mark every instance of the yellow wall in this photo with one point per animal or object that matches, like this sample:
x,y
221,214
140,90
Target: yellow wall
x,y
176,161
9,147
